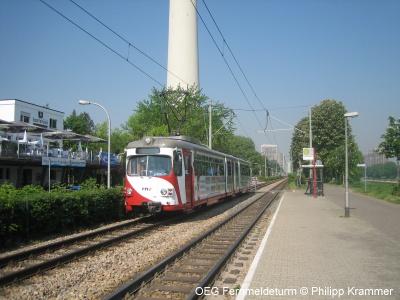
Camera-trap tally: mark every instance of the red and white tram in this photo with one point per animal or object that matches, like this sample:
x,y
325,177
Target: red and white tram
x,y
178,173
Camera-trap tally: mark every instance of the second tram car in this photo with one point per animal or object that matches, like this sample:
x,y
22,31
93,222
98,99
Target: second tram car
x,y
178,173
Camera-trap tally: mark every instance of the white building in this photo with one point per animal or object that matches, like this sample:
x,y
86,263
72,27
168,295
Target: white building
x,y
373,157
20,167
270,151
18,110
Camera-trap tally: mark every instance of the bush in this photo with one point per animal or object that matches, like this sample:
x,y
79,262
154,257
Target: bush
x,y
34,212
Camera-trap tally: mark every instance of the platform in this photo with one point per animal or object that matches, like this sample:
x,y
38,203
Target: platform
x,y
311,251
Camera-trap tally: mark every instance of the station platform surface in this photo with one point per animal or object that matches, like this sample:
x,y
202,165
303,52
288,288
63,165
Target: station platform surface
x,y
311,251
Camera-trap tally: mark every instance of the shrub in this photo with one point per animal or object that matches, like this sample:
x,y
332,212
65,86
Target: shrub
x,y
34,212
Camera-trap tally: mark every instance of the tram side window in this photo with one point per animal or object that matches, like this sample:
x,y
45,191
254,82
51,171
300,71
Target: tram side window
x,y
177,163
187,164
197,165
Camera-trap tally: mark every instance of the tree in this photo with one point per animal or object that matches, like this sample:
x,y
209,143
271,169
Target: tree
x,y
390,147
179,112
328,138
379,171
81,124
119,137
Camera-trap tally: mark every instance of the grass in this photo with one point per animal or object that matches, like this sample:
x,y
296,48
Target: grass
x,y
384,191
293,186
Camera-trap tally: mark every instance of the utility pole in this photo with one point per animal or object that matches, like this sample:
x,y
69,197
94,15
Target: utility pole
x,y
210,127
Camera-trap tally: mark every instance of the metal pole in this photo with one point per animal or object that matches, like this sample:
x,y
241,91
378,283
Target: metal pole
x,y
49,173
265,165
347,204
210,128
83,102
365,178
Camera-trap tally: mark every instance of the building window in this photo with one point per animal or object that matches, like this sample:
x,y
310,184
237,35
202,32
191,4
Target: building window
x,y
1,173
8,175
25,117
53,123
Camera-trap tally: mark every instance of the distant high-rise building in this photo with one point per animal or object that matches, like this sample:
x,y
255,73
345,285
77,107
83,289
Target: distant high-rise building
x,y
281,160
373,158
270,151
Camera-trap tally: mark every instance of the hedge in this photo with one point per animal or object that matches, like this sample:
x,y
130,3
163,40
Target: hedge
x,y
32,212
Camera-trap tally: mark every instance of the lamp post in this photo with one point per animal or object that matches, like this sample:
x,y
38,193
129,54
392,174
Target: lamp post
x,y
347,201
84,102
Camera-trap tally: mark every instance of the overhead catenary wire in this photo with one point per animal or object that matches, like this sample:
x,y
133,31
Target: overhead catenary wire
x,y
225,43
129,43
226,62
126,58
101,42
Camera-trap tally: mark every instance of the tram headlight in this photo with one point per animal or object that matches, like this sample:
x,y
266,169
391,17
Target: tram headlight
x,y
128,191
148,140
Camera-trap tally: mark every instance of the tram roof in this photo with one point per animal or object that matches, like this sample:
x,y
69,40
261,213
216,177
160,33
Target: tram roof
x,y
180,141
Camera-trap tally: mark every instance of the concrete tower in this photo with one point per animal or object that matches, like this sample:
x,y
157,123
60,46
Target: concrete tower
x,y
183,53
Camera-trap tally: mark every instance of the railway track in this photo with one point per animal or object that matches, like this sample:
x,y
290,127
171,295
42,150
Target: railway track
x,y
190,270
28,263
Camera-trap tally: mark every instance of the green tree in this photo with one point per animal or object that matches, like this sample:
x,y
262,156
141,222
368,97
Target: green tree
x,y
180,112
119,137
81,124
386,170
390,147
328,138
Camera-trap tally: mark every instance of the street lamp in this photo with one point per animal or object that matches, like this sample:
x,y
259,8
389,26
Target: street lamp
x,y
84,102
347,201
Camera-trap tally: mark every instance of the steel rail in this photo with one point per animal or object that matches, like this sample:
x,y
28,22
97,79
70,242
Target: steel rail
x,y
4,261
135,285
49,263
46,264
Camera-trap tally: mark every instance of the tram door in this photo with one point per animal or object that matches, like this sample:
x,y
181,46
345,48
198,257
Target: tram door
x,y
187,156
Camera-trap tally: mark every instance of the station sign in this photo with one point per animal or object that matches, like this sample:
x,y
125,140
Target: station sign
x,y
308,153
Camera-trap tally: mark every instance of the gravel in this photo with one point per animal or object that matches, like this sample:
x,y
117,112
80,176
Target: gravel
x,y
99,274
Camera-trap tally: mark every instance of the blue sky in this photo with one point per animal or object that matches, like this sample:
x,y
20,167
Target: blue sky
x,y
294,53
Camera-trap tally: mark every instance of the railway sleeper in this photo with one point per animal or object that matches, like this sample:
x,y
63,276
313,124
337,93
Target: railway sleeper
x,y
212,246
187,270
205,257
156,295
198,263
210,251
170,277
170,288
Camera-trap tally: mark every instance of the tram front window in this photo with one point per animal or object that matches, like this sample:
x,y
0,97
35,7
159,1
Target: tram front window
x,y
149,165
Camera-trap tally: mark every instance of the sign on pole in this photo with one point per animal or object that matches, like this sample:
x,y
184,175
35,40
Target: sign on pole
x,y
308,153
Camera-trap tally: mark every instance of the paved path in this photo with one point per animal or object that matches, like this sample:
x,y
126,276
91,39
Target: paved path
x,y
312,252
381,214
